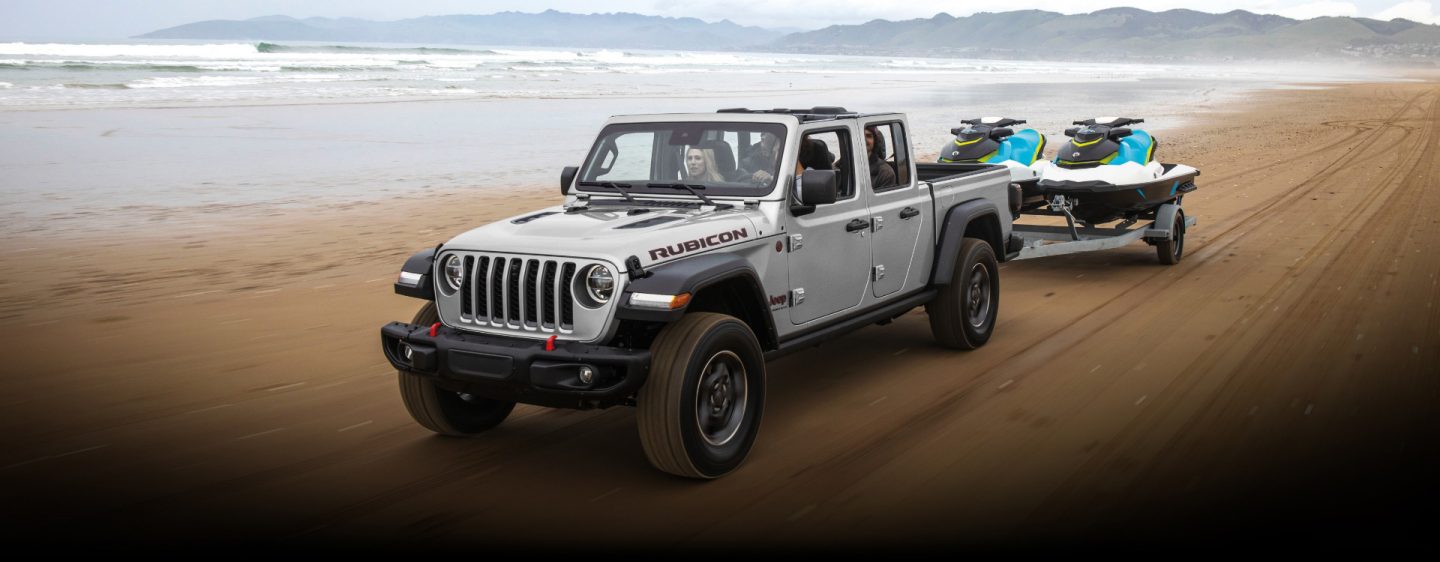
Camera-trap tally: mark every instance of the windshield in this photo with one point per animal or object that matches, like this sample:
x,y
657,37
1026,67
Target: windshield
x,y
740,159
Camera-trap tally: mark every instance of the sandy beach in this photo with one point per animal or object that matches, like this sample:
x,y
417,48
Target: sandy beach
x,y
215,379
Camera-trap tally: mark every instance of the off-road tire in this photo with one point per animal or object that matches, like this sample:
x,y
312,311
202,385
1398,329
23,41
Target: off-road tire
x,y
455,414
687,354
962,304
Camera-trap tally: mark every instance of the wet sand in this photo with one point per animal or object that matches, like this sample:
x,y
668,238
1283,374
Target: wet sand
x,y
222,385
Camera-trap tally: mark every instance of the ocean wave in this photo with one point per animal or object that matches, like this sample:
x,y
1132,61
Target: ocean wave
x,y
224,81
90,66
337,69
83,86
6,85
278,48
210,51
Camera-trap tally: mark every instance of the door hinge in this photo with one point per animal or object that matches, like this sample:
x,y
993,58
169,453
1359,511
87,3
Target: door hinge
x,y
797,241
797,296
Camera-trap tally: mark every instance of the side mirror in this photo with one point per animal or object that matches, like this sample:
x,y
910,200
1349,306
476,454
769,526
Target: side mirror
x,y
818,187
567,176
1071,131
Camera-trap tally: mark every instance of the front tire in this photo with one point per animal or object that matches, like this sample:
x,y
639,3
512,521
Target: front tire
x,y
455,414
699,411
963,315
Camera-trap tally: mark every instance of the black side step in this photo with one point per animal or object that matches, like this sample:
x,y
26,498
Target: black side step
x,y
881,313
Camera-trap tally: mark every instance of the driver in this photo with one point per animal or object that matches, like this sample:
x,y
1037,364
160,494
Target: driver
x,y
759,164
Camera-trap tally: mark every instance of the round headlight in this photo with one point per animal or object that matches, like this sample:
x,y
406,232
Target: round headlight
x,y
599,283
453,272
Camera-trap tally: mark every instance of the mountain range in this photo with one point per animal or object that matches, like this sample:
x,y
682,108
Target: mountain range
x,y
545,29
1116,33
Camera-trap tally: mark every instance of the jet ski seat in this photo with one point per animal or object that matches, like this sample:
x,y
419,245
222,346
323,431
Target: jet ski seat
x,y
1138,147
1024,147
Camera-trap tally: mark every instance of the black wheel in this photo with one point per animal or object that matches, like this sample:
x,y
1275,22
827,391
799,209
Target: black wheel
x,y
1171,250
700,409
963,315
456,414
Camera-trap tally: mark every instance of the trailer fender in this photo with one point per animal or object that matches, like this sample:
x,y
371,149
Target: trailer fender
x,y
1164,218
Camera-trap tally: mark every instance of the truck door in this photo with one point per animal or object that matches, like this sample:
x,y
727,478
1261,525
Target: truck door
x,y
900,209
829,249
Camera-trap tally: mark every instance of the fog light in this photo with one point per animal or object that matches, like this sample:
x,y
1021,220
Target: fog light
x,y
407,352
587,375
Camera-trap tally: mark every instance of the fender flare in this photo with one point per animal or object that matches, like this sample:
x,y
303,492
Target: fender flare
x,y
952,235
420,263
692,275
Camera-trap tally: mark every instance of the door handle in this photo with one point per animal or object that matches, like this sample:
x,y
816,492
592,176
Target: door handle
x,y
909,213
857,224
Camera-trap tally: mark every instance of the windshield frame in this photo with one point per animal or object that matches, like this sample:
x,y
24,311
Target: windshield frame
x,y
638,186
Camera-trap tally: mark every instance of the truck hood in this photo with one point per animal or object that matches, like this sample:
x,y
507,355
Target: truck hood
x,y
614,233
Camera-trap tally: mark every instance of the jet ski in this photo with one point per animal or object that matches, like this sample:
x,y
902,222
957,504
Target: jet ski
x,y
992,140
1107,171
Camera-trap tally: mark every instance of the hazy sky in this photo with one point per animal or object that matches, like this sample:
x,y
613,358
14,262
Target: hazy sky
x,y
113,19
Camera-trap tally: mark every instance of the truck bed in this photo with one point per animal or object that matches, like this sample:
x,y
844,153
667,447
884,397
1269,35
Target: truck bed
x,y
941,171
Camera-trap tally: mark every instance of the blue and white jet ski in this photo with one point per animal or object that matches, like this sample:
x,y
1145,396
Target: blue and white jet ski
x,y
993,140
1107,171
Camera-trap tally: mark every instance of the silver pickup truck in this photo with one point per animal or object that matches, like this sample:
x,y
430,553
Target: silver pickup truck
x,y
689,250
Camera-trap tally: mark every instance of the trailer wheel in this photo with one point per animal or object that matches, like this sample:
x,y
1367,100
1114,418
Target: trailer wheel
x,y
699,410
963,315
447,412
1172,249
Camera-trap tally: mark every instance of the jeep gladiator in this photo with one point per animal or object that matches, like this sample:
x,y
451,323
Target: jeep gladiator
x,y
688,251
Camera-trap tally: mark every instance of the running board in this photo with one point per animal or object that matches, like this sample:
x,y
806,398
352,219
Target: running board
x,y
818,336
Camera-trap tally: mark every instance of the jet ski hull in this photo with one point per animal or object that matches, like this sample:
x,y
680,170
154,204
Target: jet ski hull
x,y
1098,201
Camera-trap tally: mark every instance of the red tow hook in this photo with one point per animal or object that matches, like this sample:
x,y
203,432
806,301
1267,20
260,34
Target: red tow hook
x,y
550,344
434,328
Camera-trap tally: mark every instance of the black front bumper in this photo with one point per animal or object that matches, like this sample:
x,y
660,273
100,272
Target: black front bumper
x,y
515,369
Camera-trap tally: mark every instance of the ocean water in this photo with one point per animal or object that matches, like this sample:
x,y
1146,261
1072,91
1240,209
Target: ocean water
x,y
149,75
97,136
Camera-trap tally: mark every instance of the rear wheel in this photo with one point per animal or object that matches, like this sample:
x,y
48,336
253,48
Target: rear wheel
x,y
1172,249
447,412
699,411
963,315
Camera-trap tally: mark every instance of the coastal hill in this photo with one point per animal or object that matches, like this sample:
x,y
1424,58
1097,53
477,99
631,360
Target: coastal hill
x,y
1128,33
1116,34
546,29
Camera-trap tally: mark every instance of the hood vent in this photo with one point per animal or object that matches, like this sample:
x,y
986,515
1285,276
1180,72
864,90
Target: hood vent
x,y
525,219
653,221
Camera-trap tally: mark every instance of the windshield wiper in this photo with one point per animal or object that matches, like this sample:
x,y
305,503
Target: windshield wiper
x,y
620,187
687,187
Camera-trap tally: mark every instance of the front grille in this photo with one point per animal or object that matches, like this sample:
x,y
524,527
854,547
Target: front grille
x,y
516,293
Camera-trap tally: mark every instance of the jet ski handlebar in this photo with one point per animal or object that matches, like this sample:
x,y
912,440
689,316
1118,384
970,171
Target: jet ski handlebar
x,y
1001,122
1117,122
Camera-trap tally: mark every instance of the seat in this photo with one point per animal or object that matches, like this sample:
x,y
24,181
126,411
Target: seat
x,y
1139,148
724,157
1024,147
820,157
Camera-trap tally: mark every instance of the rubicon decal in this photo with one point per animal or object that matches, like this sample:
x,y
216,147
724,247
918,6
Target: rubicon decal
x,y
671,251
